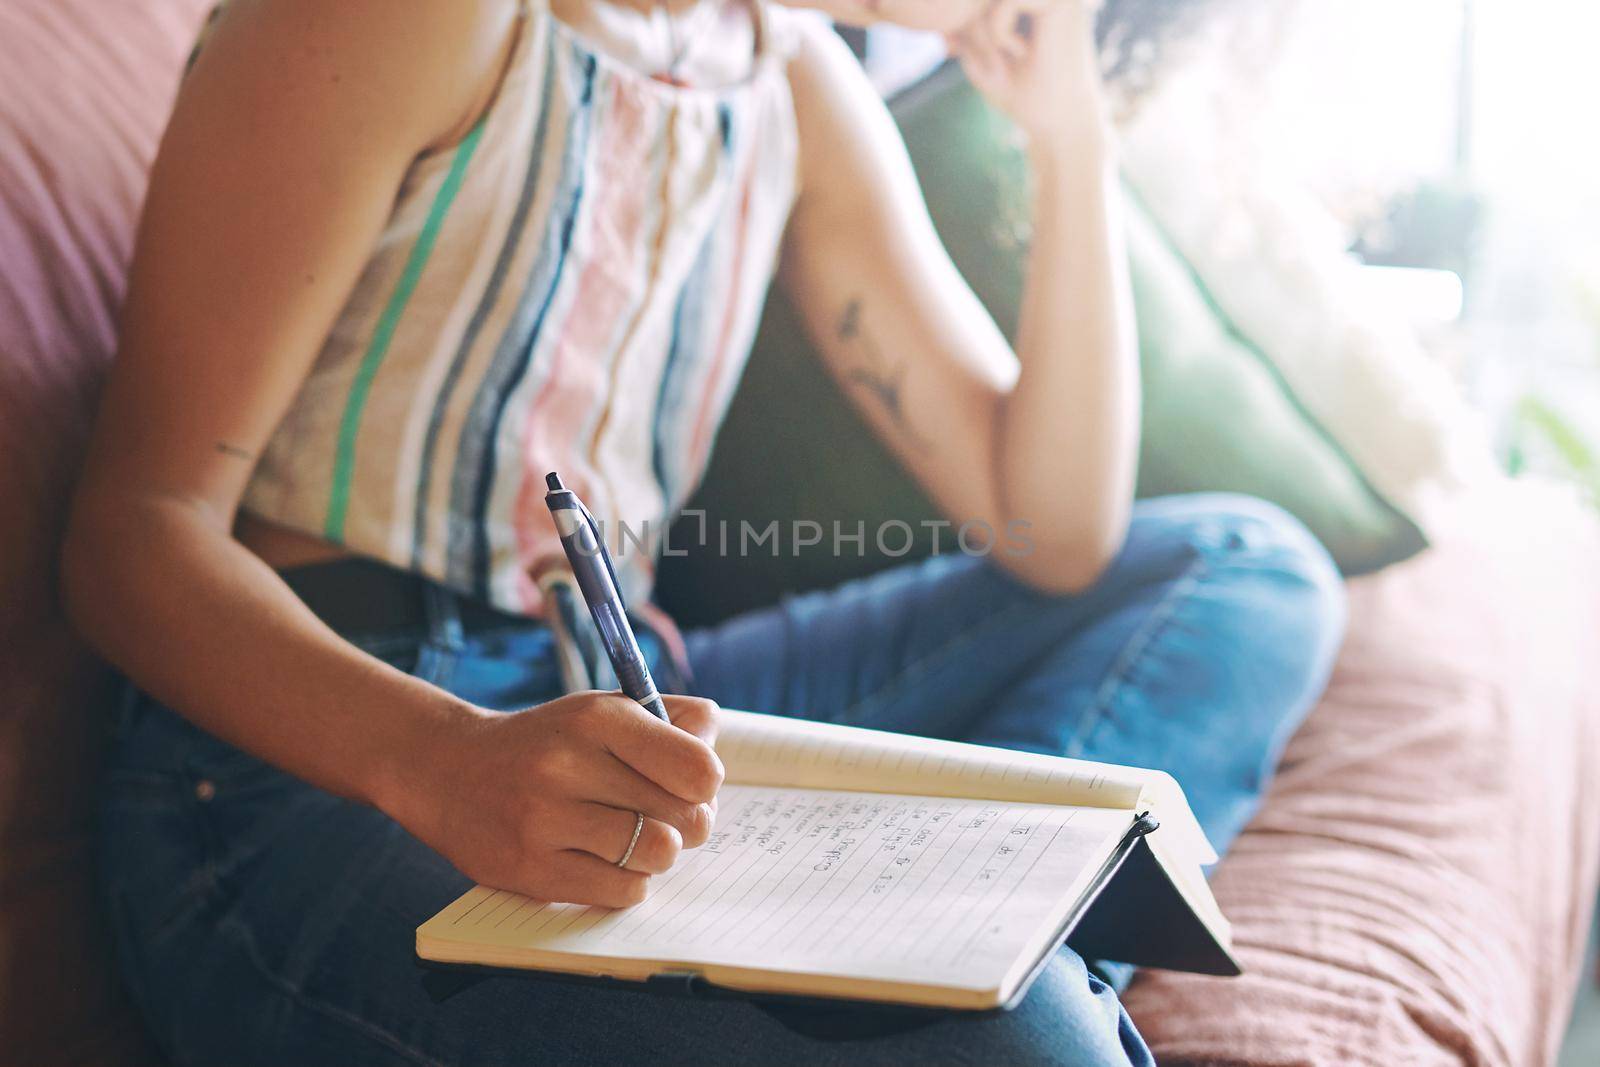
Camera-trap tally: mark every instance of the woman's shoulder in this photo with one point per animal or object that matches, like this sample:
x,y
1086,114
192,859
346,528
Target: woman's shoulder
x,y
426,61
424,30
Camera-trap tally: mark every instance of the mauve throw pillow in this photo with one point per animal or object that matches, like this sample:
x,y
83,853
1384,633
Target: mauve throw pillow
x,y
85,86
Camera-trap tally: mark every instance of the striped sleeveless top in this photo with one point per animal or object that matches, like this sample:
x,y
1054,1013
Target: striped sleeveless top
x,y
574,287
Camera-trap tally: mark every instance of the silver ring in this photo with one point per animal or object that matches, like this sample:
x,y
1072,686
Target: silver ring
x,y
638,828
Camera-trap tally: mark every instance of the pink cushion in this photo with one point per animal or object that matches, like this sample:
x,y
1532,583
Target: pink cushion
x,y
85,86
1417,888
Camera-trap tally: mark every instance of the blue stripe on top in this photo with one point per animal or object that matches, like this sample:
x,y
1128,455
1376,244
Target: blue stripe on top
x,y
475,463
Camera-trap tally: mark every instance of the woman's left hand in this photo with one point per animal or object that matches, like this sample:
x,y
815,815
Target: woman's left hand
x,y
1036,60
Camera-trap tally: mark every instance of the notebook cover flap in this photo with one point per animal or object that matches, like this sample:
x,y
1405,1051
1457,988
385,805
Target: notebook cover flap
x,y
1141,918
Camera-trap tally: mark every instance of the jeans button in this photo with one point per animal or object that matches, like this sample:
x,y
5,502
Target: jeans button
x,y
205,789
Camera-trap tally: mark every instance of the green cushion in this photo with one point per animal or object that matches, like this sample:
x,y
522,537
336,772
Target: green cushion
x,y
1217,416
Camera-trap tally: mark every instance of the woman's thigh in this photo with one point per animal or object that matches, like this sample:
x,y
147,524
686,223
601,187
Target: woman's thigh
x,y
264,921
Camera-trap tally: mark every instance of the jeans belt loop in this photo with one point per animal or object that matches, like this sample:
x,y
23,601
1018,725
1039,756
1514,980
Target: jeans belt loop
x,y
442,610
583,659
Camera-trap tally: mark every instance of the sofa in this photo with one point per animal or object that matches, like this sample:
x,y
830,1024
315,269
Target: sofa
x,y
1416,890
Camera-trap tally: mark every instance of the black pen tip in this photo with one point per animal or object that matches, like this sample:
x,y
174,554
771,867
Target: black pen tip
x,y
552,481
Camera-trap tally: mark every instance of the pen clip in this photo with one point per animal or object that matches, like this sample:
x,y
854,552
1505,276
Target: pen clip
x,y
600,547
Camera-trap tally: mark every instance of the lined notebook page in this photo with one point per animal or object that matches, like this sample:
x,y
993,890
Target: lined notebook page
x,y
776,750
920,890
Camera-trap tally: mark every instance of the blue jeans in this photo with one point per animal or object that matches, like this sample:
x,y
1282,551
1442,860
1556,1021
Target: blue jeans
x,y
260,920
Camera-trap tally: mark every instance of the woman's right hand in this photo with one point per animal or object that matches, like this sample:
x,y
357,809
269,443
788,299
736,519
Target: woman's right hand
x,y
542,801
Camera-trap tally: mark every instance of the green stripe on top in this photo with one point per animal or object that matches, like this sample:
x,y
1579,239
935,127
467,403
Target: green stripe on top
x,y
344,460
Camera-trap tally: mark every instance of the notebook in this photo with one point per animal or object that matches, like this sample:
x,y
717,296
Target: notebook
x,y
860,865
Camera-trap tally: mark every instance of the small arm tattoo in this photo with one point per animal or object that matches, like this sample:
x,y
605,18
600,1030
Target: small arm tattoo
x,y
877,374
850,321
235,452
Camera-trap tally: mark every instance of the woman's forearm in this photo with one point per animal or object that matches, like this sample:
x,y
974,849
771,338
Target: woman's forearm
x,y
1069,431
145,578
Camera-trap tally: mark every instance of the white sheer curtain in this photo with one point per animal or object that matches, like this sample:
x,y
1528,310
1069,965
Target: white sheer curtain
x,y
1357,101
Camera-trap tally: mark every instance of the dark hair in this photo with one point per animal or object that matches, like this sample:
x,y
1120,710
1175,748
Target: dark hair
x,y
1135,36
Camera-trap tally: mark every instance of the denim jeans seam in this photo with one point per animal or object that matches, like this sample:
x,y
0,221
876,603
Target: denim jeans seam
x,y
913,671
140,778
227,865
194,897
435,664
1137,644
301,998
443,610
385,644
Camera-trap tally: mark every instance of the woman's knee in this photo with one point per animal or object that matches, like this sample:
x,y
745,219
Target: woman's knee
x,y
1267,601
1273,551
1281,604
1270,598
1282,574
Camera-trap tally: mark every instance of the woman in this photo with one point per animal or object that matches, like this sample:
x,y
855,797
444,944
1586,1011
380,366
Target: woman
x,y
392,270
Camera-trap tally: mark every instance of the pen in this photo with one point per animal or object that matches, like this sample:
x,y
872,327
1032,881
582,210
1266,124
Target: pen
x,y
597,580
